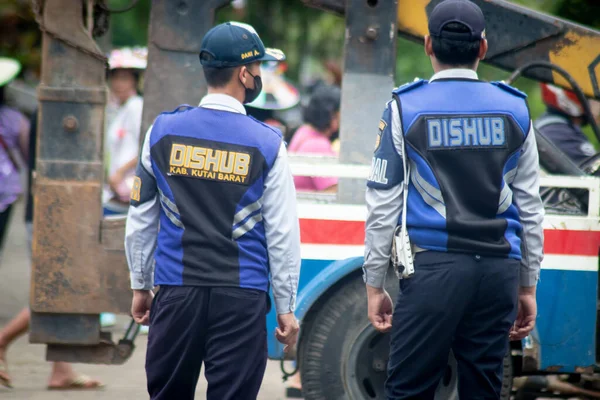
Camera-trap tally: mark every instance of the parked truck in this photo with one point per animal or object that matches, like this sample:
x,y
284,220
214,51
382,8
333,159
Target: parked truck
x,y
339,354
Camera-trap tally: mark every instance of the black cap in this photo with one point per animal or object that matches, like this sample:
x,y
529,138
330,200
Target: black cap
x,y
232,44
462,11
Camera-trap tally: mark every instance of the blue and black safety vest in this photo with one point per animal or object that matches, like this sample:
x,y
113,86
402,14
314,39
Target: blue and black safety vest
x,y
463,140
210,168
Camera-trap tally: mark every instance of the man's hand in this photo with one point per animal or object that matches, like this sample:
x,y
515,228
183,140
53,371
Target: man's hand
x,y
526,314
287,332
380,308
140,306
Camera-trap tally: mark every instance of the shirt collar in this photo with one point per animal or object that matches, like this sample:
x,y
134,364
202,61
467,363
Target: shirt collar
x,y
462,73
223,102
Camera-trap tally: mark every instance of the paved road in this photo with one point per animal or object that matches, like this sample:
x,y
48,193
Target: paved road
x,y
26,361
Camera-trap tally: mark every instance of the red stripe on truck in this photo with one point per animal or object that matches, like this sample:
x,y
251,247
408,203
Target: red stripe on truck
x,y
352,233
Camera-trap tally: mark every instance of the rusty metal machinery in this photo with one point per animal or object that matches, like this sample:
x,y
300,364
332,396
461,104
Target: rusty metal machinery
x,y
516,36
76,275
79,268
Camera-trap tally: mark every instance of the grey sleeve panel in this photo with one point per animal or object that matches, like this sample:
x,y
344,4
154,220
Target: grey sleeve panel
x,y
383,211
141,231
282,231
526,196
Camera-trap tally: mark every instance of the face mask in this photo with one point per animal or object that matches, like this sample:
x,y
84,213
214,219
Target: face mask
x,y
252,94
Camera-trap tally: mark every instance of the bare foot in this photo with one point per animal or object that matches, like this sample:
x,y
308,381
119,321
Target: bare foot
x,y
4,376
295,381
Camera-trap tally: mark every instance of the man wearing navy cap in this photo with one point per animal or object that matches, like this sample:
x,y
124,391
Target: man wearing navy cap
x,y
460,155
219,185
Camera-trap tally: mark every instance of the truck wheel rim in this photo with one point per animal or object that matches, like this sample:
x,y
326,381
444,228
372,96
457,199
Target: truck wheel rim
x,y
366,365
365,370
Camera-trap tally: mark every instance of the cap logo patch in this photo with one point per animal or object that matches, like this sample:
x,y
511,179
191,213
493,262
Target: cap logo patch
x,y
278,54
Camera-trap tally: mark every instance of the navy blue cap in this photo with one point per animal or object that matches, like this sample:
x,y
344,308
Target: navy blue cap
x,y
232,44
462,11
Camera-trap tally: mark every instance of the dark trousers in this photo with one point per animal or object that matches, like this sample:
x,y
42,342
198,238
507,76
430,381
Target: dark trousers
x,y
223,327
462,302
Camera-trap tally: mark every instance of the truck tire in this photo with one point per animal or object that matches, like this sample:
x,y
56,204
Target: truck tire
x,y
342,357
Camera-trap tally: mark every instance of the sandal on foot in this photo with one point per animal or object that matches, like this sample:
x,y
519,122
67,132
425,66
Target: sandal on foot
x,y
4,378
81,382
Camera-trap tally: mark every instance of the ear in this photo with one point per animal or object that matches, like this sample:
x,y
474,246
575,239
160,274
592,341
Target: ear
x,y
428,46
483,48
242,74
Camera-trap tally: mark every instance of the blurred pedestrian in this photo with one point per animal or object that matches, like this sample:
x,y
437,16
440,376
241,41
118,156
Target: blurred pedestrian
x,y
123,131
276,100
14,132
563,124
321,122
277,95
563,121
124,117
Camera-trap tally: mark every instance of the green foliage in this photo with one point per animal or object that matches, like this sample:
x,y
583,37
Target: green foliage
x,y
304,34
20,37
130,28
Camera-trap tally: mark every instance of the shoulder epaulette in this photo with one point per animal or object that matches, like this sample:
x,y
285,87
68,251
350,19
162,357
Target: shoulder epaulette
x,y
178,109
269,127
510,89
409,86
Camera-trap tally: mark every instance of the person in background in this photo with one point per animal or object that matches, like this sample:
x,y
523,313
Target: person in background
x,y
123,132
276,96
562,123
277,99
322,121
124,117
62,376
14,131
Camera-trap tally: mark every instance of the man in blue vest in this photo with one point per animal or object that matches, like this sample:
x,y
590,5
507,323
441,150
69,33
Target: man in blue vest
x,y
219,185
473,216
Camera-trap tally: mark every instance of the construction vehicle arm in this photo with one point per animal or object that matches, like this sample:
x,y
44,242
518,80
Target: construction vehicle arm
x,y
516,36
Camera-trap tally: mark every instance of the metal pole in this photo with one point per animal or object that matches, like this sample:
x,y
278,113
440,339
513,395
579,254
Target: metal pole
x,y
369,66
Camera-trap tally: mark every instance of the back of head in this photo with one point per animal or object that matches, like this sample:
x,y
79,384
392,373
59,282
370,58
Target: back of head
x,y
455,53
323,104
457,30
230,45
